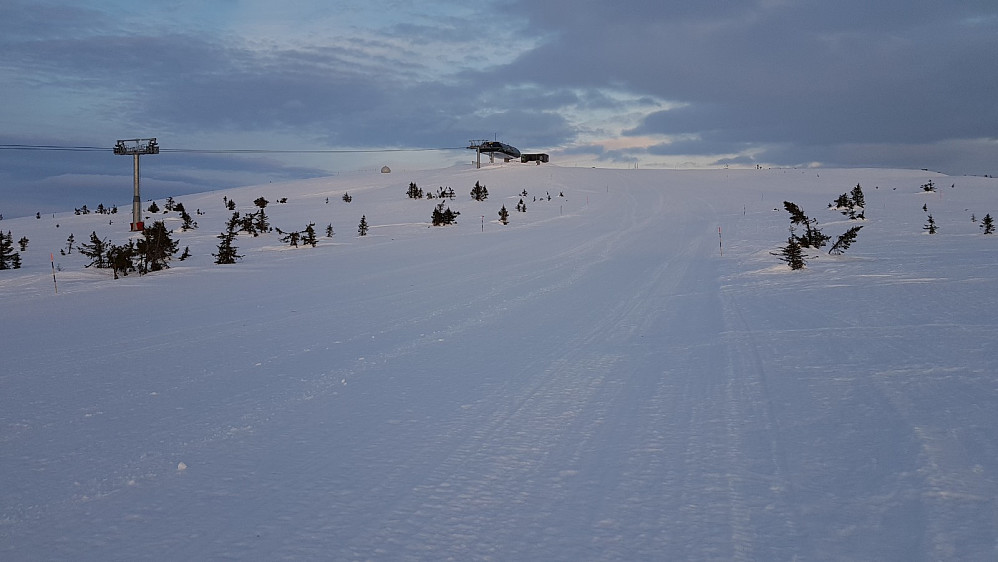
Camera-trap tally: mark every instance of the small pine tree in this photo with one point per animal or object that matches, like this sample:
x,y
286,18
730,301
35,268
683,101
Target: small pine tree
x,y
842,203
189,223
504,215
226,250
857,196
479,192
812,238
792,253
248,225
7,252
96,251
930,226
309,237
230,205
844,241
329,230
292,238
362,227
347,197
23,243
121,259
186,253
168,206
154,208
414,192
155,248
442,216
261,202
928,186
260,222
988,224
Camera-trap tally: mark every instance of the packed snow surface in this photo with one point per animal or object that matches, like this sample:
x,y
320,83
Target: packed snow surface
x,y
623,372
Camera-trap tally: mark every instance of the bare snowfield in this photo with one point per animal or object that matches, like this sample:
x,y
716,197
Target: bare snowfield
x,y
593,381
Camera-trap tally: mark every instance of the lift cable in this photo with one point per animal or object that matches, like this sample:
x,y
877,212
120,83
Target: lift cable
x,y
222,151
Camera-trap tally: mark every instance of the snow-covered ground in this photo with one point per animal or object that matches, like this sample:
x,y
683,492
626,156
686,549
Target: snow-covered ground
x,y
593,381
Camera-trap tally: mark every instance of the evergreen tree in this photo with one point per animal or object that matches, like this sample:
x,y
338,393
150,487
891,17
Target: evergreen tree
x,y
248,225
292,238
186,253
96,251
329,230
155,248
442,216
226,251
504,215
929,186
7,252
23,243
230,205
479,192
812,238
414,192
792,253
69,243
988,224
260,202
857,196
362,227
309,237
930,226
844,241
154,208
121,258
260,222
233,223
168,206
189,223
347,197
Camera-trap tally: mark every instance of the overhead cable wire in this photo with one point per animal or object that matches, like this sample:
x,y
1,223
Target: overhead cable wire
x,y
222,150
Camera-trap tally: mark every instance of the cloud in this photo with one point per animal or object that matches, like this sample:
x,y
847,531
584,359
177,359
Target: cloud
x,y
804,74
663,82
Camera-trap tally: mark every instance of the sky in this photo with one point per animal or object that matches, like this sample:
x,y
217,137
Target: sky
x,y
649,84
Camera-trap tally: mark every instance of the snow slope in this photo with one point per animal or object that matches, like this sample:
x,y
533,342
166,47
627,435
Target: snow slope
x,y
593,381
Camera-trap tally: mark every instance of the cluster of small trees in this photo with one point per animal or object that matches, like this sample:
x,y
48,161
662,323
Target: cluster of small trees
x,y
152,252
479,192
848,203
812,237
443,215
100,210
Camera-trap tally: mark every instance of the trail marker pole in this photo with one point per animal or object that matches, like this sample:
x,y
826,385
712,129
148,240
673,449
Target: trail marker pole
x,y
720,243
52,257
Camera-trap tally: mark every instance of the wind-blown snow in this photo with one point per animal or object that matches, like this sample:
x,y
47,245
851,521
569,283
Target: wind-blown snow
x,y
593,381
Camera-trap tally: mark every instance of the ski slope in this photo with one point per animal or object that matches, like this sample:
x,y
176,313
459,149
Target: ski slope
x,y
605,378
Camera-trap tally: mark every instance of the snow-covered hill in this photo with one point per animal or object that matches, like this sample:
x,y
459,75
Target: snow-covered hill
x,y
593,381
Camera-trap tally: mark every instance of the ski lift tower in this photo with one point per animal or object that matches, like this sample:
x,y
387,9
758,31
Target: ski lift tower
x,y
136,147
476,145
